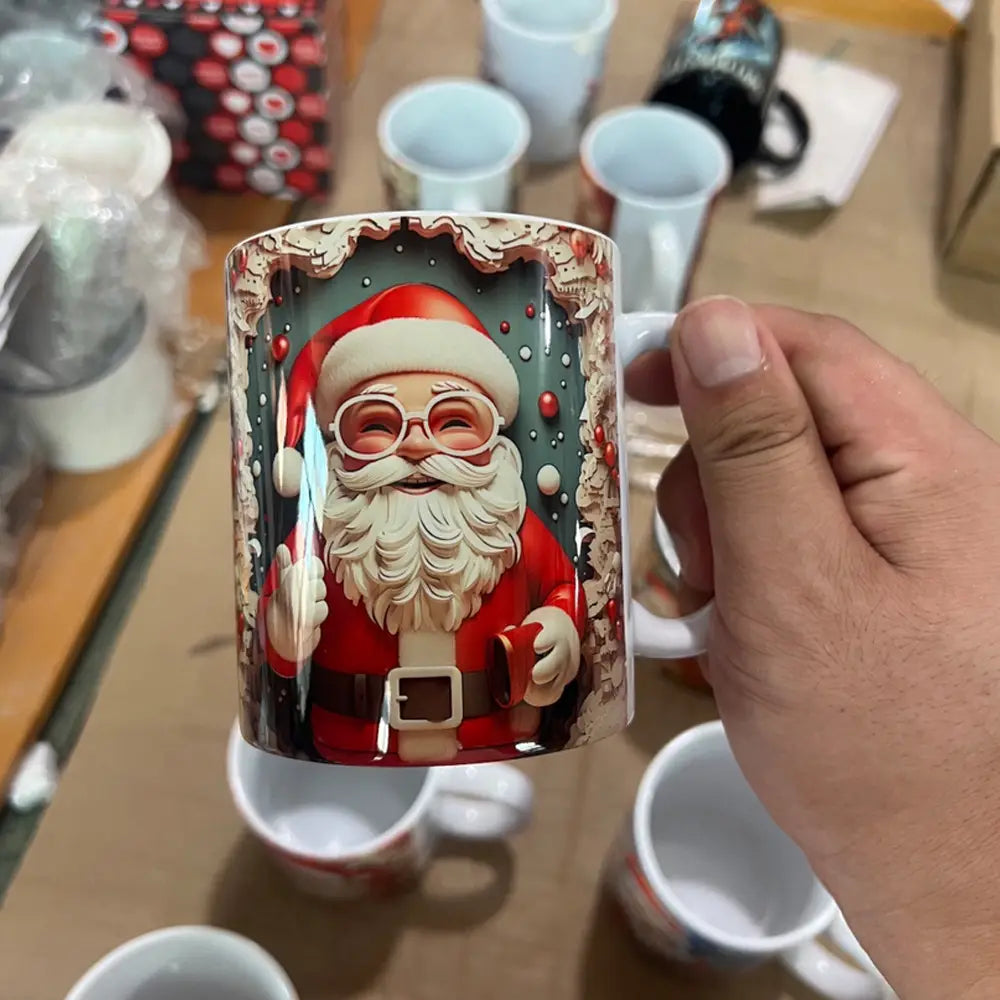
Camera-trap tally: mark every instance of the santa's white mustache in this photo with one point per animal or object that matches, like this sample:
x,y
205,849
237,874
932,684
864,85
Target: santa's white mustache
x,y
394,469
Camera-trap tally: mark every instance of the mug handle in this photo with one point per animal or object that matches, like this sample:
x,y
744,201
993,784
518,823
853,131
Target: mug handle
x,y
662,638
800,126
481,801
830,976
666,256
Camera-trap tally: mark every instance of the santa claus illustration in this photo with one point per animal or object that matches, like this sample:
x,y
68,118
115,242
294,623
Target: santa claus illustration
x,y
438,613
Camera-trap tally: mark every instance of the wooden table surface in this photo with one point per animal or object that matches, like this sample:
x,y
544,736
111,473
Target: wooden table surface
x,y
142,832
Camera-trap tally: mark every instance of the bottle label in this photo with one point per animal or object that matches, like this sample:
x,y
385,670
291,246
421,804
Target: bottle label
x,y
740,39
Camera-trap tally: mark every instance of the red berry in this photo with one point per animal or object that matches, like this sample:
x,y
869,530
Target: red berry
x,y
279,348
505,327
614,476
579,242
548,405
612,611
599,434
610,455
619,630
278,300
529,311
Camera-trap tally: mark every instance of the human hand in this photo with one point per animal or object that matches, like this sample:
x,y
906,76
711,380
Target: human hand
x,y
298,606
845,517
558,649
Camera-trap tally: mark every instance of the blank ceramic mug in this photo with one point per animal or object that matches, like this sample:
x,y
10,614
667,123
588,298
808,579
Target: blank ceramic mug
x,y
649,178
550,56
190,962
706,878
432,561
453,144
347,832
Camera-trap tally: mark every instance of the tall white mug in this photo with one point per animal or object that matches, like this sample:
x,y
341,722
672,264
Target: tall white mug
x,y
706,878
452,144
650,176
551,57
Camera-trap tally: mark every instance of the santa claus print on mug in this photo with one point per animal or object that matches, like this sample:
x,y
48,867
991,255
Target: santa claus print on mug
x,y
426,498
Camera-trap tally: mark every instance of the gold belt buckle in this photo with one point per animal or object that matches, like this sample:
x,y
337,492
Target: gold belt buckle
x,y
406,690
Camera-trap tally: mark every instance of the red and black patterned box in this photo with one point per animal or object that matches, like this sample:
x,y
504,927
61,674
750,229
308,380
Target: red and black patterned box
x,y
258,83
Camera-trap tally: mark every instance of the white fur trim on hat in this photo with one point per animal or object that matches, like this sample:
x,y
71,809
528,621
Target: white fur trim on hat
x,y
394,346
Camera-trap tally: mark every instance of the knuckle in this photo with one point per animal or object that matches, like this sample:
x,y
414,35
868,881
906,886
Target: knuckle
x,y
759,427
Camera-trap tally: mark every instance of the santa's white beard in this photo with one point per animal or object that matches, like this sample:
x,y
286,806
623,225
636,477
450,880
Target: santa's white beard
x,y
424,561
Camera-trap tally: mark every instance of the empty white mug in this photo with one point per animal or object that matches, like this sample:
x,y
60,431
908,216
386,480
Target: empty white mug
x,y
650,176
705,877
452,144
550,56
186,962
349,832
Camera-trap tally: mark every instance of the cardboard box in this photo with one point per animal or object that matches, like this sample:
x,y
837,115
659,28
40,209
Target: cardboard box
x,y
259,84
972,210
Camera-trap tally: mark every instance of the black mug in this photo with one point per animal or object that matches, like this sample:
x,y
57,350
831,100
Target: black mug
x,y
722,65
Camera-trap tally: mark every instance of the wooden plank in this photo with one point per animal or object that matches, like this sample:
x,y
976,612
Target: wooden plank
x,y
88,522
69,564
923,17
360,22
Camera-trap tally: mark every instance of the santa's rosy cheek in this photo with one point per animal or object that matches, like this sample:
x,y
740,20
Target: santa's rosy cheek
x,y
352,464
482,459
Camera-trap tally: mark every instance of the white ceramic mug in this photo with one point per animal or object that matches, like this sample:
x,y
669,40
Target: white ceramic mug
x,y
112,416
650,176
349,832
705,877
452,144
186,962
550,56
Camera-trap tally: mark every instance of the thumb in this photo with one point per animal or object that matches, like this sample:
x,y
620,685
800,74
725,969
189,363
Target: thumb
x,y
769,491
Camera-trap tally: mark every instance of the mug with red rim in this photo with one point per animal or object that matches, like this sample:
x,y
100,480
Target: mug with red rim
x,y
432,560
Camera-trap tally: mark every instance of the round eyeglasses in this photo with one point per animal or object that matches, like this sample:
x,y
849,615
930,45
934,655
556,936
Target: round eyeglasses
x,y
459,423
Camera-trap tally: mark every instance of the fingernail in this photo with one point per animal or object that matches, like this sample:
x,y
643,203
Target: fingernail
x,y
719,340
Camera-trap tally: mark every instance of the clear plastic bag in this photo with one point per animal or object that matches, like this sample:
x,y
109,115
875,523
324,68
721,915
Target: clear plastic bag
x,y
92,176
50,60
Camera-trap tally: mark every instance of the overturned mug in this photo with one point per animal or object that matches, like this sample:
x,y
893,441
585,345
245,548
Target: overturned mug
x,y
432,559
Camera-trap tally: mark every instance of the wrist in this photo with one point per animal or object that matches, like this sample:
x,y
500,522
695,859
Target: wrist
x,y
923,901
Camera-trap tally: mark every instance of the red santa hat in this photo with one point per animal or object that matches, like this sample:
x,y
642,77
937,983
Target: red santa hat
x,y
406,328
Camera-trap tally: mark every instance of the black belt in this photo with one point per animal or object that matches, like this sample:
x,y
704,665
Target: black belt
x,y
360,696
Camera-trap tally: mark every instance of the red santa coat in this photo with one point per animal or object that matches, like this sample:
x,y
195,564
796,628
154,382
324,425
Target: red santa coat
x,y
350,642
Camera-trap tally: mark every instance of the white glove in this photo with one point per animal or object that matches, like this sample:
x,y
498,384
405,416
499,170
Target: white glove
x,y
297,607
558,644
